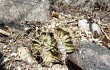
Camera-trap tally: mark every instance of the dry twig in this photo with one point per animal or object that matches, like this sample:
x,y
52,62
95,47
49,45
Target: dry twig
x,y
4,32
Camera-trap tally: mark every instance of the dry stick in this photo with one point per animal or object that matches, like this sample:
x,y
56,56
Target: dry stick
x,y
105,34
103,30
105,16
100,23
4,32
71,2
107,37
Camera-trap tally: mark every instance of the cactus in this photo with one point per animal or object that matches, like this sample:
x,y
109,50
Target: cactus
x,y
53,45
65,38
46,45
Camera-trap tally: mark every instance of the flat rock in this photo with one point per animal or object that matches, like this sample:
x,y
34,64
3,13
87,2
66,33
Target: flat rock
x,y
21,10
91,57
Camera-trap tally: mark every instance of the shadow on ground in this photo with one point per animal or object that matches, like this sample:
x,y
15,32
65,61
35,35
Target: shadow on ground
x,y
1,60
72,66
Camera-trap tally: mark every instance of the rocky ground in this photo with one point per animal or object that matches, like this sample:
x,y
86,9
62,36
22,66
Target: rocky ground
x,y
54,35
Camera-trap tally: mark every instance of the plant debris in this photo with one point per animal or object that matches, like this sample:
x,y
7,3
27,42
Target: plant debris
x,y
33,45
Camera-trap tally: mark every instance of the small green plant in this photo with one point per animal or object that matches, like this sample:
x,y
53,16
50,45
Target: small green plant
x,y
65,39
46,45
53,45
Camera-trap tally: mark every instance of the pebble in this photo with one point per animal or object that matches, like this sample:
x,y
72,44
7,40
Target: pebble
x,y
84,25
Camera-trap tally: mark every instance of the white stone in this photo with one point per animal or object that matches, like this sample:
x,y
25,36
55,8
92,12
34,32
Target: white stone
x,y
83,25
96,28
24,54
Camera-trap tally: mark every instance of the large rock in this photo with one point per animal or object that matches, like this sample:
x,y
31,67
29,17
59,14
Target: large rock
x,y
87,4
38,10
20,10
91,57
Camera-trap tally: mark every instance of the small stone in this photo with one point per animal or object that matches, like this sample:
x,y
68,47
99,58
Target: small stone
x,y
96,28
24,54
83,24
18,68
